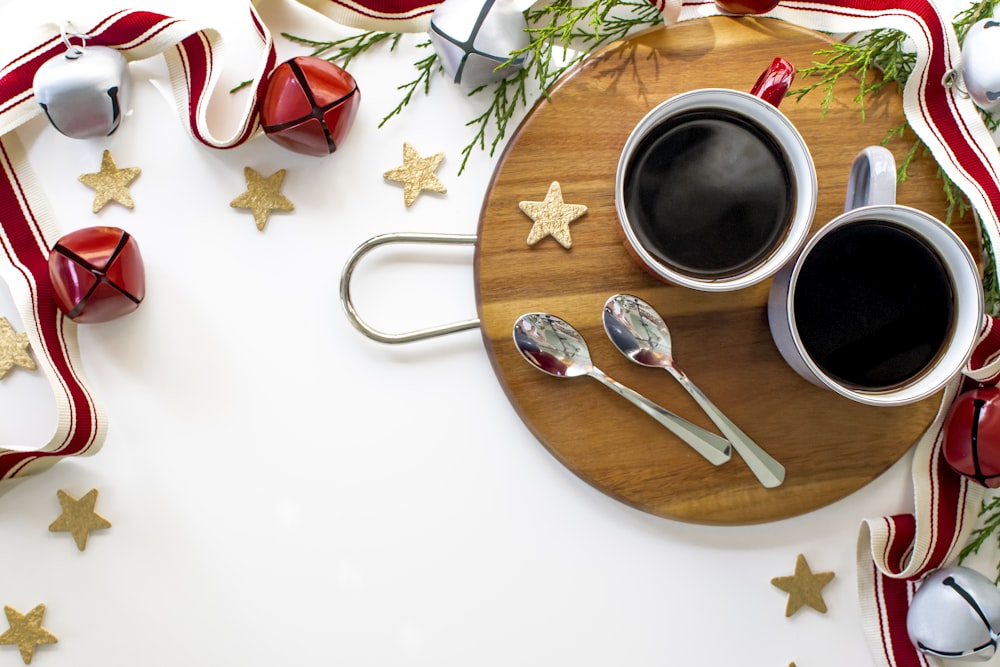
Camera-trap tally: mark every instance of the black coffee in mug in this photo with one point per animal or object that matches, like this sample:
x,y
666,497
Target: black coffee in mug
x,y
709,193
873,304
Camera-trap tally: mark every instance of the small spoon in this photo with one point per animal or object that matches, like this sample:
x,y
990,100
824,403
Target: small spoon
x,y
639,332
553,346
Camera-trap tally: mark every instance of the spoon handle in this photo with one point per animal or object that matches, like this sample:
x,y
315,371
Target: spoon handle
x,y
767,470
706,443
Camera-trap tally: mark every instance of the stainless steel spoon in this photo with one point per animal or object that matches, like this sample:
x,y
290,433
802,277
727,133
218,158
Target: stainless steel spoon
x,y
553,346
640,333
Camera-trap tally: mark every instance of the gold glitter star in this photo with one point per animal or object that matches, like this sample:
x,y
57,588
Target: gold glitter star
x,y
13,349
26,631
78,517
552,216
416,174
263,195
111,183
804,587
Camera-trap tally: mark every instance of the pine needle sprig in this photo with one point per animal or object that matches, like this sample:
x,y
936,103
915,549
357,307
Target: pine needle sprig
x,y
882,50
426,68
988,532
561,34
508,95
348,48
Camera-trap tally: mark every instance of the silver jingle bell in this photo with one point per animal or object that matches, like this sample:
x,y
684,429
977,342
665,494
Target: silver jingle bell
x,y
981,63
85,91
473,40
955,614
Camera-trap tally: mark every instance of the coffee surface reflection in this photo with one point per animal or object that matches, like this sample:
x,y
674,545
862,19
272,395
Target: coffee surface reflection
x,y
709,193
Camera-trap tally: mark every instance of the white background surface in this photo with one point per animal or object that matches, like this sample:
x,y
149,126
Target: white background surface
x,y
284,491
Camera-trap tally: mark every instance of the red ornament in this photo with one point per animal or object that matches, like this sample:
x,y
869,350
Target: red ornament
x,y
308,105
97,274
972,436
746,6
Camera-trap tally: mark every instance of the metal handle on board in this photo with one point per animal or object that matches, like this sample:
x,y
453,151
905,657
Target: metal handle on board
x,y
385,239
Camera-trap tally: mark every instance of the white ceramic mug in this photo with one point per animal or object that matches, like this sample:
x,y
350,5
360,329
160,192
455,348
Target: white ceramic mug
x,y
757,111
871,202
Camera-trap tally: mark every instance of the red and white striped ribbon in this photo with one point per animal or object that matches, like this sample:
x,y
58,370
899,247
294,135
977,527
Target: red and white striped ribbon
x,y
382,15
27,231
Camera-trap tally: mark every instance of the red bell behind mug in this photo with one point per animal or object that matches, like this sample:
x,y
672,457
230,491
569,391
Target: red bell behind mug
x,y
308,105
972,436
97,274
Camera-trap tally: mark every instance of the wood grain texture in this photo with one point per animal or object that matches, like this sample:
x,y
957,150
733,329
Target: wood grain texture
x,y
829,445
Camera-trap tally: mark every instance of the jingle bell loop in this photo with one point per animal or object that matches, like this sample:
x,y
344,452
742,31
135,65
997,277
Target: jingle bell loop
x,y
978,77
85,91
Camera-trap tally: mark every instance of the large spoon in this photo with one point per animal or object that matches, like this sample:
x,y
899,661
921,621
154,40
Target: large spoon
x,y
640,333
553,346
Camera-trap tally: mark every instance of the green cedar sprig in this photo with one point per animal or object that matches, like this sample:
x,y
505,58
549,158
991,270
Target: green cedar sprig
x,y
562,33
988,532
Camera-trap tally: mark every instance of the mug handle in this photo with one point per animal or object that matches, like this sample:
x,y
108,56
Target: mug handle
x,y
872,180
774,82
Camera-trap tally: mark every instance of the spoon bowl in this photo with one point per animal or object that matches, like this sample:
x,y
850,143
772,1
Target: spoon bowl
x,y
639,333
553,346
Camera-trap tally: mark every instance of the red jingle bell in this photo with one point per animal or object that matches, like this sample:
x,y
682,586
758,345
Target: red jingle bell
x,y
746,6
972,436
97,274
308,105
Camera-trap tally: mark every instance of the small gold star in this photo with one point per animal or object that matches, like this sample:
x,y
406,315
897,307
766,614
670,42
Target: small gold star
x,y
552,216
263,195
13,349
111,183
804,587
26,631
416,174
78,517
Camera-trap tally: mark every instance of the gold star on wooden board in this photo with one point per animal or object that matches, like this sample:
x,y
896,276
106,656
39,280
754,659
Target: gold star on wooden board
x,y
552,216
13,349
416,174
804,587
111,183
26,631
263,195
78,517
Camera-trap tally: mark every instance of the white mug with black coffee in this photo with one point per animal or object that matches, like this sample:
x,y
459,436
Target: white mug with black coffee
x,y
885,303
715,188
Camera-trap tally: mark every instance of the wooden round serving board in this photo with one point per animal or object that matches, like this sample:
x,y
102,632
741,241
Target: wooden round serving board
x,y
829,445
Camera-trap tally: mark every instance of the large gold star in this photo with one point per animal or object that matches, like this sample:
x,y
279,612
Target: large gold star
x,y
263,195
416,174
26,631
804,587
78,517
552,216
111,183
13,349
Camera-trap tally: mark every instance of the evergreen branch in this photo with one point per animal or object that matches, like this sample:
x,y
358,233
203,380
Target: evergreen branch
x,y
347,48
991,283
425,68
987,532
560,36
508,95
882,50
